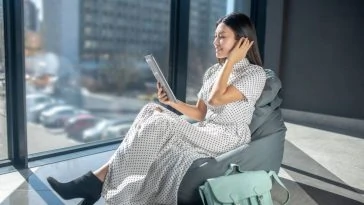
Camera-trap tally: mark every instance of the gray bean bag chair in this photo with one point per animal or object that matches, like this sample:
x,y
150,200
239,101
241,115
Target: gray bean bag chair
x,y
265,152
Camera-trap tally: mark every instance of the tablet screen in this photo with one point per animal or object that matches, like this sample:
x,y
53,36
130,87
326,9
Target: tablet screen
x,y
158,74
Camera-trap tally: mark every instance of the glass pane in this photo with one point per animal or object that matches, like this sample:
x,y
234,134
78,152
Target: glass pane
x,y
3,133
201,52
85,70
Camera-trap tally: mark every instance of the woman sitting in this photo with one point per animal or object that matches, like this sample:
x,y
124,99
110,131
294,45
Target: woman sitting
x,y
160,146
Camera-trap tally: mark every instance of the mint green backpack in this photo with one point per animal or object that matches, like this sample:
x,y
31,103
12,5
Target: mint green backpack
x,y
243,188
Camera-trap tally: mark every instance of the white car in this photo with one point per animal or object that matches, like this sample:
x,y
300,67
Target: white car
x,y
33,113
119,130
58,115
95,133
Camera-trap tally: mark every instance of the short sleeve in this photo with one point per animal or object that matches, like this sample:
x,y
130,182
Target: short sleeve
x,y
250,83
205,80
199,94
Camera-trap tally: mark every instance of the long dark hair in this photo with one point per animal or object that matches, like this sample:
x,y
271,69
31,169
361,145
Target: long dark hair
x,y
243,27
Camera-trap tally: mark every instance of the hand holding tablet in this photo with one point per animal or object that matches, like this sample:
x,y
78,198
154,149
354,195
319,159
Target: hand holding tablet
x,y
160,77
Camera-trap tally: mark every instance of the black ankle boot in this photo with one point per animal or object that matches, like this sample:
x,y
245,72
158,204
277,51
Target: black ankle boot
x,y
87,186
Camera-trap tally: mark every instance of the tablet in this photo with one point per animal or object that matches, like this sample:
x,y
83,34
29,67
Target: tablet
x,y
160,77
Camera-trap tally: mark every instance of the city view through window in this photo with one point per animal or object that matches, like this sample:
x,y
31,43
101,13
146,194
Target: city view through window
x,y
86,77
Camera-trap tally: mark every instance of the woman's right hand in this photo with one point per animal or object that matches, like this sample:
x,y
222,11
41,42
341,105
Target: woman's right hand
x,y
162,95
240,50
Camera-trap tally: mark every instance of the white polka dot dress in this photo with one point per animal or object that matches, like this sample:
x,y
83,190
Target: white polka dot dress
x,y
149,165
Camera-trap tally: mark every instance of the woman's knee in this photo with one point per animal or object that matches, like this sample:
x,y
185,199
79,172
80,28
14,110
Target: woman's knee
x,y
150,106
147,108
159,120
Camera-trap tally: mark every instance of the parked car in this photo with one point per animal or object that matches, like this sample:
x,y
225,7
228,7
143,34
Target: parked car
x,y
75,126
58,115
95,133
117,130
33,113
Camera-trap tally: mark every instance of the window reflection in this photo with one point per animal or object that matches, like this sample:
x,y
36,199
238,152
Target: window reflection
x,y
86,77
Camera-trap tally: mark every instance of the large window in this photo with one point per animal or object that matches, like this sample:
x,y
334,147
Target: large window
x,y
86,77
3,133
201,55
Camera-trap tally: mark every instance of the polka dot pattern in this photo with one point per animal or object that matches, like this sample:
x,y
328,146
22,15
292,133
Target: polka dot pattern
x,y
150,163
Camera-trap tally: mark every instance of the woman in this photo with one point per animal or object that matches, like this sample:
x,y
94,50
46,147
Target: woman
x,y
160,146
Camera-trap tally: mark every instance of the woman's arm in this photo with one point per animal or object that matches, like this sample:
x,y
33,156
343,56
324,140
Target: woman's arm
x,y
222,93
196,112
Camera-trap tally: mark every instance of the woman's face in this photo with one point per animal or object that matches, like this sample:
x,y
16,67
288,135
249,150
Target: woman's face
x,y
224,40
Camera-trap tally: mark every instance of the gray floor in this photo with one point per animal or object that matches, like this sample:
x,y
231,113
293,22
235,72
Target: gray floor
x,y
319,167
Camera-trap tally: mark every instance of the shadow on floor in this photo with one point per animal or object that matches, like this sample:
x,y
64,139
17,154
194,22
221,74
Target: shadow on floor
x,y
319,183
341,125
323,197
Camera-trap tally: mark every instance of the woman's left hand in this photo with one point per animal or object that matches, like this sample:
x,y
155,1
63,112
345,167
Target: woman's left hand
x,y
162,95
240,50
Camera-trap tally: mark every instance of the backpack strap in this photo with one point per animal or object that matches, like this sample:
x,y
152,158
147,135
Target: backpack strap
x,y
201,194
276,178
232,168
